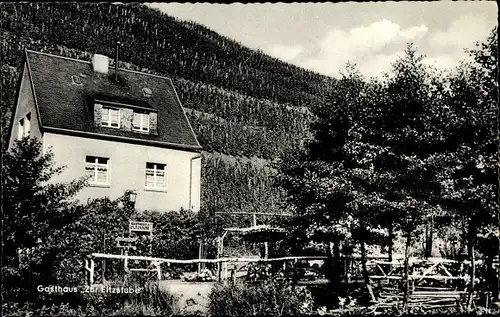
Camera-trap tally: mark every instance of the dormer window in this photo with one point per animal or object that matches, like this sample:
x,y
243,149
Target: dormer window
x,y
77,80
110,117
140,122
147,92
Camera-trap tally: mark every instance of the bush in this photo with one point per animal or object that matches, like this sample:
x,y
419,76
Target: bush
x,y
270,298
176,235
151,300
39,218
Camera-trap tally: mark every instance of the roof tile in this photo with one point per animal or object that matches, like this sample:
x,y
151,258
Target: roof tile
x,y
65,105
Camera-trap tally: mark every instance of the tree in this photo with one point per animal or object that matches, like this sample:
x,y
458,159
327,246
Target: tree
x,y
36,214
9,80
328,180
412,134
100,221
484,71
470,180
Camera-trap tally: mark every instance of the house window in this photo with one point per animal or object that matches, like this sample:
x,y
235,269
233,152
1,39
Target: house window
x,y
20,130
24,127
140,122
156,175
110,117
27,125
97,169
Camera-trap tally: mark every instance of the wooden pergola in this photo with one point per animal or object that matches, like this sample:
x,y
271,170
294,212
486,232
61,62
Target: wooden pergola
x,y
256,234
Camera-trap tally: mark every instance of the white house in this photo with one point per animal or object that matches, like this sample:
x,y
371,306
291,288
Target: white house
x,y
124,130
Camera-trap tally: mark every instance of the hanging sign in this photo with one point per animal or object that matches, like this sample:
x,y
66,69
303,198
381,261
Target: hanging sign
x,y
141,226
126,243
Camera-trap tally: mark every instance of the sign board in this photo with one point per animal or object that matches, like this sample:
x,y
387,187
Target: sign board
x,y
141,226
126,243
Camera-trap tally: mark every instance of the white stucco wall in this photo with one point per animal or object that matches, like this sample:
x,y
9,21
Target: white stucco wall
x,y
25,104
127,170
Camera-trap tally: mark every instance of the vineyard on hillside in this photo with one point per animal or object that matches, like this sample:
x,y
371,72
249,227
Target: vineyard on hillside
x,y
241,128
164,44
232,184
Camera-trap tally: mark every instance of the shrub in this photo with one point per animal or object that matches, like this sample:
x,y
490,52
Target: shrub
x,y
177,234
151,300
270,298
36,214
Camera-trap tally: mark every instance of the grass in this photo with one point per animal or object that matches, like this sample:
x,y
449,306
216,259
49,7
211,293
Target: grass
x,y
150,301
269,298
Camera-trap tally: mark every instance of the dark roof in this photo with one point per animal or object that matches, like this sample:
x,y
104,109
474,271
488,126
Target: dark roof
x,y
64,105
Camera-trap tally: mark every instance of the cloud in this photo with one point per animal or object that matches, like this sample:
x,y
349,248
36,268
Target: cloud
x,y
367,46
446,61
415,32
379,64
374,47
286,52
449,44
462,33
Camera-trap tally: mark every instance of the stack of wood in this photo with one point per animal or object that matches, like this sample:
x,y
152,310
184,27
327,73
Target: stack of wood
x,y
434,299
423,299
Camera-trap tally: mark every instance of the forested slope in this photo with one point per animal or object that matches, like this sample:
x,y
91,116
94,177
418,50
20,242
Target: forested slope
x,y
242,104
162,43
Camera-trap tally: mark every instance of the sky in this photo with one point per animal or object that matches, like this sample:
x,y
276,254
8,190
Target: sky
x,y
323,37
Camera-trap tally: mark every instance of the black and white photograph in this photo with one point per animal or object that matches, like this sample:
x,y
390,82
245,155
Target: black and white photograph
x,y
250,159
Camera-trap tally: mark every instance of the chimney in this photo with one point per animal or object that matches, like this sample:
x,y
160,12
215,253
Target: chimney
x,y
100,63
118,44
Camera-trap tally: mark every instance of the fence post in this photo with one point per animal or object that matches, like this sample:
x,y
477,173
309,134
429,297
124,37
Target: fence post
x,y
199,258
92,267
158,270
219,271
225,270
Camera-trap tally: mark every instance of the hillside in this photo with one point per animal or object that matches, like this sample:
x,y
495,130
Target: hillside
x,y
245,107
